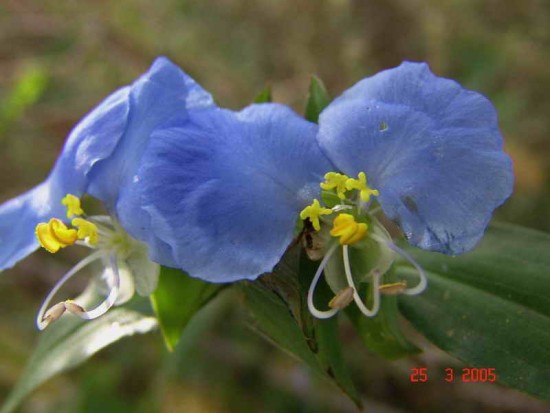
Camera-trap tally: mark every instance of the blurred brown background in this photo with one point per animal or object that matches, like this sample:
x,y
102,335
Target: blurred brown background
x,y
60,58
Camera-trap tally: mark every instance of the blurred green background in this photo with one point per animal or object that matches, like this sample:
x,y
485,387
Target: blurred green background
x,y
60,58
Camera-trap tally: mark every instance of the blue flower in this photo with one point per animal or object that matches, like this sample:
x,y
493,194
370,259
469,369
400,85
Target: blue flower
x,y
430,152
100,158
224,189
432,148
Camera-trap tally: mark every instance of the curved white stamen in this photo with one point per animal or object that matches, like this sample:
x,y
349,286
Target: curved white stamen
x,y
317,313
356,298
113,282
423,283
40,322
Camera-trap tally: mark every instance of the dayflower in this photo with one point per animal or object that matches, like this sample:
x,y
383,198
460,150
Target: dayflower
x,y
100,158
224,189
432,153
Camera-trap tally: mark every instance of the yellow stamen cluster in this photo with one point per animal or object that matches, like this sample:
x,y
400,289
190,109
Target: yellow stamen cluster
x,y
361,185
313,212
344,225
73,205
349,231
55,235
334,180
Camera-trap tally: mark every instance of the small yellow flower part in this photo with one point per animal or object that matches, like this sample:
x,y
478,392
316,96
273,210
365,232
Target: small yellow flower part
x,y
342,299
86,229
73,205
55,235
334,180
361,185
313,212
393,288
349,231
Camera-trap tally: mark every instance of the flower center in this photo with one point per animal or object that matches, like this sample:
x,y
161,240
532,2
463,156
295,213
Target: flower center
x,y
346,209
110,244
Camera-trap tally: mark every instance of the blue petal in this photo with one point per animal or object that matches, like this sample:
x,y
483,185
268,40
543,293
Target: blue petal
x,y
224,189
92,140
432,149
160,95
18,219
101,153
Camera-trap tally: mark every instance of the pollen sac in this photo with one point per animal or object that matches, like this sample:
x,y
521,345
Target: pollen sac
x,y
73,205
53,313
86,229
73,307
393,288
336,181
313,212
365,192
342,299
349,231
55,235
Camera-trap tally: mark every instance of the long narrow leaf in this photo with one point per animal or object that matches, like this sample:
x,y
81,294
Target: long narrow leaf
x,y
69,342
491,307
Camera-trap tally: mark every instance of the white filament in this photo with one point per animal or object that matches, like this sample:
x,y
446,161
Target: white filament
x,y
356,298
113,283
423,283
318,313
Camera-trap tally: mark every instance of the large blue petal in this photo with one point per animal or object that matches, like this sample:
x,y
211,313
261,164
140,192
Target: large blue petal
x,y
432,148
224,189
18,219
93,139
100,153
163,93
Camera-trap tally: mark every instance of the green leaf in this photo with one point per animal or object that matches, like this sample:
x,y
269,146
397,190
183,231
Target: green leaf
x,y
176,300
278,305
331,357
69,342
491,307
274,319
382,334
325,332
264,96
318,99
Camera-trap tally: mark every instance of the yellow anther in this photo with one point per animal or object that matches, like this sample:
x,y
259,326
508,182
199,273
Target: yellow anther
x,y
342,299
349,231
73,205
361,185
313,212
334,180
86,229
55,235
393,288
